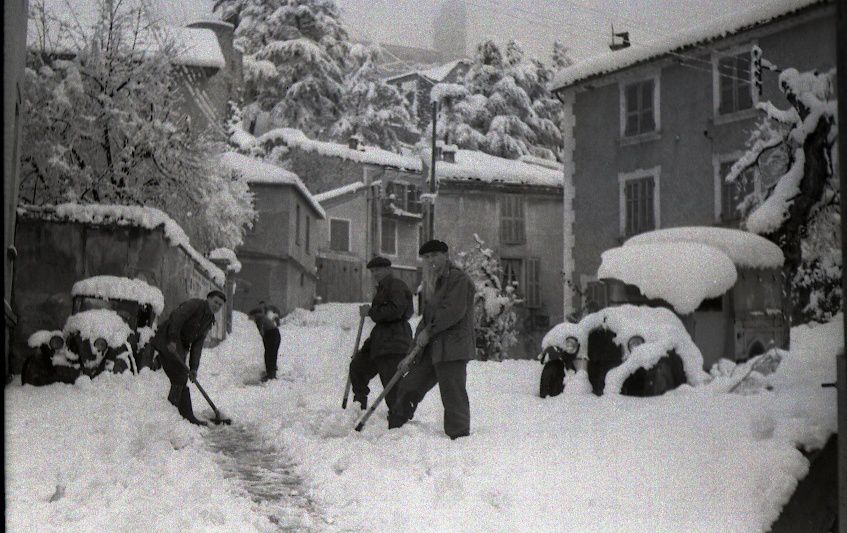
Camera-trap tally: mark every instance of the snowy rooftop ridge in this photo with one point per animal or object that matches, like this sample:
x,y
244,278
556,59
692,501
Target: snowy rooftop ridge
x,y
124,215
119,288
472,165
436,74
340,191
744,248
724,26
369,154
257,171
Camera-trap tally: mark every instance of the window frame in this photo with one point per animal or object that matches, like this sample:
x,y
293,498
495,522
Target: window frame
x,y
737,114
655,77
519,278
520,201
382,234
349,223
623,178
297,238
718,160
533,291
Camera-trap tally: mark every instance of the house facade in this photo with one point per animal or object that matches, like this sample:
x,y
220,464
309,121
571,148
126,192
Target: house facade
x,y
652,131
278,254
416,86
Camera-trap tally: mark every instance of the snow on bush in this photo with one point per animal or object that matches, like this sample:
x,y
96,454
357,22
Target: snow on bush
x,y
495,321
682,273
119,288
99,324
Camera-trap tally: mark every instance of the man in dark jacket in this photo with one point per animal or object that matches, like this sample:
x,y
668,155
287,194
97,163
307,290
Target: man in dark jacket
x,y
391,337
447,339
183,333
266,318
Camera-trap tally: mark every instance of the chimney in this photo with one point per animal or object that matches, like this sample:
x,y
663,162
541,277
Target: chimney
x,y
448,153
353,142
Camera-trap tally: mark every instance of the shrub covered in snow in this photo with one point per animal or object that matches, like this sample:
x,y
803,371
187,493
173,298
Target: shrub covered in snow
x,y
495,319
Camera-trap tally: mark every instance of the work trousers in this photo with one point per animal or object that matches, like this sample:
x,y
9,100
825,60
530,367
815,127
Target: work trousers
x,y
363,369
179,394
271,341
451,377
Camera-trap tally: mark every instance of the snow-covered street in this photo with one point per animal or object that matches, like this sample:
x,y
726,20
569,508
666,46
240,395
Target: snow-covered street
x,y
112,455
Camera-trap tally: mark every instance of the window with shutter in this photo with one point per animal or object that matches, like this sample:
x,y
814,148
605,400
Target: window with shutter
x,y
512,226
533,283
639,108
512,274
639,206
732,194
735,92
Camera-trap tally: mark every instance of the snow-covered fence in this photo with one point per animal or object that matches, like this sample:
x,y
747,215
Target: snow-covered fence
x,y
58,246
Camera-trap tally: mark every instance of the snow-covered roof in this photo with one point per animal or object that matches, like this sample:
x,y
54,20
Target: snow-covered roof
x,y
681,273
193,46
118,288
472,165
257,171
340,191
744,248
436,73
368,154
732,23
124,215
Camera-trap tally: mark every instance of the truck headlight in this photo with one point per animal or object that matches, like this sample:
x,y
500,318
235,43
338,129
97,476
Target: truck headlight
x,y
634,342
571,346
56,342
101,344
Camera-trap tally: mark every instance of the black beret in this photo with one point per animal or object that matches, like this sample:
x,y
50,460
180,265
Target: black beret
x,y
378,262
216,292
433,246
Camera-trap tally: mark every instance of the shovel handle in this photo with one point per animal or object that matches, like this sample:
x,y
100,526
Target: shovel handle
x,y
401,370
355,349
200,388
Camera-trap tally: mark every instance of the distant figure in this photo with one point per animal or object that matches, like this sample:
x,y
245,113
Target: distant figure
x,y
391,337
267,321
183,333
446,334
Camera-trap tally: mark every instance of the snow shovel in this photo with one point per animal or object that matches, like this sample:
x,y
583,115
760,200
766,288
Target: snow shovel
x,y
355,349
218,418
401,370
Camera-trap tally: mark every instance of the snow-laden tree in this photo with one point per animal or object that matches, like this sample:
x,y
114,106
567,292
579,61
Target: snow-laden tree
x,y
104,122
295,54
799,210
561,57
495,320
372,109
505,107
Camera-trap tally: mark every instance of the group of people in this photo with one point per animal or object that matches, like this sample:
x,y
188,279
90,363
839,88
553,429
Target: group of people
x,y
444,339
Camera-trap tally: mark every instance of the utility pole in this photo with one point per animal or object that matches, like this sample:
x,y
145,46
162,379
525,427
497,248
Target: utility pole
x,y
429,231
841,361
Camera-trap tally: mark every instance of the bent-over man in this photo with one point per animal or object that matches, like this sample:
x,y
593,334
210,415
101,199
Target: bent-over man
x,y
184,333
446,336
391,337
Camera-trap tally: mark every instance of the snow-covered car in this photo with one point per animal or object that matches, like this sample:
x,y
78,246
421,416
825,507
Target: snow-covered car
x,y
721,286
627,349
111,323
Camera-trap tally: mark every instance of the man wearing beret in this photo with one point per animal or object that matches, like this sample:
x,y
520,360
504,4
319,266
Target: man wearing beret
x,y
391,337
446,336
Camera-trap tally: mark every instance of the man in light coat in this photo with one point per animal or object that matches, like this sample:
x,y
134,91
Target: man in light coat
x,y
447,339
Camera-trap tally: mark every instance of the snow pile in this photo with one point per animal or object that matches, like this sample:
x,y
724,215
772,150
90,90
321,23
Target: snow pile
x,y
690,273
118,288
226,254
99,324
42,337
124,215
255,170
701,34
746,249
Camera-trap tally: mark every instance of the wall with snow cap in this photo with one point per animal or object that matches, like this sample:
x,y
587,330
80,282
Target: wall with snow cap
x,y
118,288
746,249
681,273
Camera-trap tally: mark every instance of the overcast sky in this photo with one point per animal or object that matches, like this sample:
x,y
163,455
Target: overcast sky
x,y
583,25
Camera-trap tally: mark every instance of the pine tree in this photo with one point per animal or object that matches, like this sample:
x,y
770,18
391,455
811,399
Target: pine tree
x,y
495,320
295,55
800,210
505,108
561,56
108,126
372,109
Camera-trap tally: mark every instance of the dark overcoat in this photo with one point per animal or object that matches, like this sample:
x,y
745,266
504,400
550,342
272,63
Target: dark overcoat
x,y
187,327
391,309
450,316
